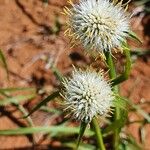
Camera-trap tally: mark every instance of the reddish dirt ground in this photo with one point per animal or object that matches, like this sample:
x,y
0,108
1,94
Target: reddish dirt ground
x,y
26,41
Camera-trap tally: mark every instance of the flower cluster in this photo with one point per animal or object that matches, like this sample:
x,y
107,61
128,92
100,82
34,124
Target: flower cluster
x,y
98,24
87,94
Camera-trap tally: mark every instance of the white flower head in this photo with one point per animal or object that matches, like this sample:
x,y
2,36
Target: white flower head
x,y
98,24
87,94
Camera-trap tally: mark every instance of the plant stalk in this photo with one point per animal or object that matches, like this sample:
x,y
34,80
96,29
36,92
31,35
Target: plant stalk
x,y
116,80
112,74
98,134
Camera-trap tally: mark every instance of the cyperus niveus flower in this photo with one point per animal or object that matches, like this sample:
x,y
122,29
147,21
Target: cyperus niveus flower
x,y
87,94
98,24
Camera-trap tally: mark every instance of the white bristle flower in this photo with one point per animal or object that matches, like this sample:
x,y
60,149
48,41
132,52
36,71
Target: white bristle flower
x,y
99,25
87,94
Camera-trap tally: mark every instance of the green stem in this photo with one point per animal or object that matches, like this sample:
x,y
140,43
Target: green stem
x,y
112,70
116,81
112,74
124,76
98,134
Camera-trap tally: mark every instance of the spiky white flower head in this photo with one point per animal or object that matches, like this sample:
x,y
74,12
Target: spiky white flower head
x,y
98,24
87,94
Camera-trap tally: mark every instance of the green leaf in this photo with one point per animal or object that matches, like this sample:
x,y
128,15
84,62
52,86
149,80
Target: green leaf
x,y
133,36
140,52
51,129
3,61
82,130
46,100
112,127
57,73
120,103
16,99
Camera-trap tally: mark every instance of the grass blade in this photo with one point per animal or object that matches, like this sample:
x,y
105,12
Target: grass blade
x,y
51,129
46,100
111,128
3,61
140,52
16,99
132,35
120,103
57,73
50,110
82,130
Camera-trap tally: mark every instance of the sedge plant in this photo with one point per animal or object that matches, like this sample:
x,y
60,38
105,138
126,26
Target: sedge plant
x,y
102,26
